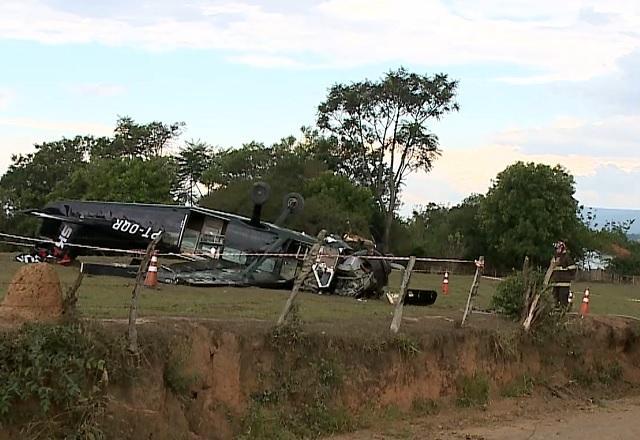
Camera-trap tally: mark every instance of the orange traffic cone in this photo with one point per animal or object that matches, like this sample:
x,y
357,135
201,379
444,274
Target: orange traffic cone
x,y
584,307
445,284
152,274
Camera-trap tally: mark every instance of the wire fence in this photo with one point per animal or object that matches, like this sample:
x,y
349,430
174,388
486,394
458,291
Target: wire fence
x,y
28,242
174,305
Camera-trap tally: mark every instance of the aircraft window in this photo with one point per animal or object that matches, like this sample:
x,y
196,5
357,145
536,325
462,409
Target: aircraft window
x,y
234,256
241,236
212,232
289,268
268,265
190,239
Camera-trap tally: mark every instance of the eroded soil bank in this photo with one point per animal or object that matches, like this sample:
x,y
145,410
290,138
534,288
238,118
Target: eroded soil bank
x,y
222,383
220,380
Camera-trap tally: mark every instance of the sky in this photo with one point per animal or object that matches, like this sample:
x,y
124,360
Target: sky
x,y
545,81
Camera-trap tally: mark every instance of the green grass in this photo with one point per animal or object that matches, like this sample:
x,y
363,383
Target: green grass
x,y
108,297
609,299
473,390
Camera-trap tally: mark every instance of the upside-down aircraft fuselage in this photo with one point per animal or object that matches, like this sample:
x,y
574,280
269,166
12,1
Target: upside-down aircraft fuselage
x,y
219,248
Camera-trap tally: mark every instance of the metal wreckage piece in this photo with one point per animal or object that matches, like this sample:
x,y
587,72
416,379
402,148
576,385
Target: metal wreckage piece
x,y
342,268
216,248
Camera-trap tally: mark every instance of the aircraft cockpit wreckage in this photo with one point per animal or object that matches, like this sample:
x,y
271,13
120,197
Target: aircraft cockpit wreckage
x,y
214,248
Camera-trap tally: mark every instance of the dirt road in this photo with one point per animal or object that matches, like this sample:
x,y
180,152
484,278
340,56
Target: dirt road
x,y
615,420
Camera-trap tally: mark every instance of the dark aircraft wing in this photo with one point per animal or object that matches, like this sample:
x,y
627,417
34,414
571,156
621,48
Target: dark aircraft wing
x,y
62,218
66,219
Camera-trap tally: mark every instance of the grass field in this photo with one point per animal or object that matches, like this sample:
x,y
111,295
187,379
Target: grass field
x,y
108,297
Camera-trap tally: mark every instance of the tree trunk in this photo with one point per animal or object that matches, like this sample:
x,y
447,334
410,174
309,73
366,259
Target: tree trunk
x,y
388,222
387,231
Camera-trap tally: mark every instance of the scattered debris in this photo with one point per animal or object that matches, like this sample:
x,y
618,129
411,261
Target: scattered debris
x,y
220,248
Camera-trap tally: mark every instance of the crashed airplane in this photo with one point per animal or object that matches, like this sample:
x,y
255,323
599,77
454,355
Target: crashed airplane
x,y
217,248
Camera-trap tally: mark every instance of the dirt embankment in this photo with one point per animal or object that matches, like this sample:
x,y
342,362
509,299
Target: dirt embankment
x,y
214,383
34,295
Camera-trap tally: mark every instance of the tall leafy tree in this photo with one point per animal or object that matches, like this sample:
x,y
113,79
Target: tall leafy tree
x,y
249,162
381,130
332,201
528,208
134,180
132,139
441,231
126,167
30,177
192,161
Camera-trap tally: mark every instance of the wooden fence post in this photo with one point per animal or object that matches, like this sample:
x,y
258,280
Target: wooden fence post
x,y
528,288
305,271
70,299
531,315
133,306
397,315
473,291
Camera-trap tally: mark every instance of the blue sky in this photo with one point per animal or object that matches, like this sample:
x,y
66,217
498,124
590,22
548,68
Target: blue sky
x,y
554,82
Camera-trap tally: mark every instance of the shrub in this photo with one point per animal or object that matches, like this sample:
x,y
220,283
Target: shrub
x,y
473,390
519,387
424,406
52,377
509,296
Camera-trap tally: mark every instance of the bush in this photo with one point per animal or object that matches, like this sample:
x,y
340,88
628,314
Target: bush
x,y
473,390
509,296
519,387
175,378
51,377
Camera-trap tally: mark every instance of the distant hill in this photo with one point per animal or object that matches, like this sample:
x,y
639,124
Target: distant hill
x,y
604,215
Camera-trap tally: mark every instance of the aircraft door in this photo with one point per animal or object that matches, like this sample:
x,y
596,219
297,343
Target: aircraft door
x,y
203,235
212,237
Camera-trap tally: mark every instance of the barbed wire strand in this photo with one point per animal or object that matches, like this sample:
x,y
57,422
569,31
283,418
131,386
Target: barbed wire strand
x,y
30,241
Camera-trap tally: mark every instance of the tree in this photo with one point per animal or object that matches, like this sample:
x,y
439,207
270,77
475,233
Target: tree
x,y
137,140
126,167
129,180
192,161
626,260
332,202
527,209
381,130
247,163
441,231
30,178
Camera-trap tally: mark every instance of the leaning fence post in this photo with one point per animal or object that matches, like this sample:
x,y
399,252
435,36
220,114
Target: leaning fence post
x,y
531,315
528,287
302,275
70,299
133,306
473,291
397,314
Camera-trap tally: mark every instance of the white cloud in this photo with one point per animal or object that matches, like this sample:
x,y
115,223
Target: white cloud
x,y
611,186
99,89
61,128
602,155
613,136
618,92
573,40
267,61
10,145
6,96
18,135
